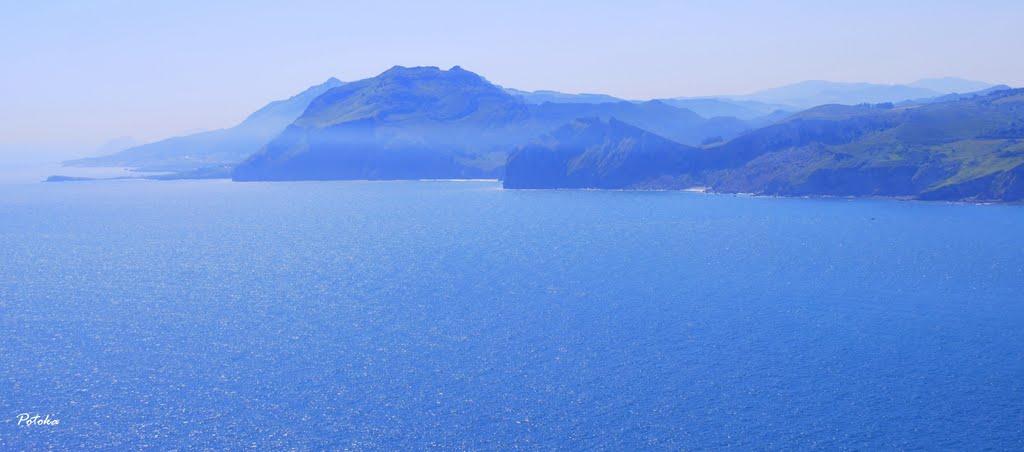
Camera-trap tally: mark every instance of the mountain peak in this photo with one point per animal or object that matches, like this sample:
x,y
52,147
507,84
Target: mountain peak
x,y
428,72
421,93
411,71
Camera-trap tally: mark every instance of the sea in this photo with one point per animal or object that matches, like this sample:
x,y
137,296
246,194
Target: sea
x,y
452,315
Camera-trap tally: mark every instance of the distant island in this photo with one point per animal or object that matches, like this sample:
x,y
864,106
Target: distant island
x,y
428,123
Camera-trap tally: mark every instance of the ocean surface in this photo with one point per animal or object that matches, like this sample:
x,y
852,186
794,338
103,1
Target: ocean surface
x,y
457,315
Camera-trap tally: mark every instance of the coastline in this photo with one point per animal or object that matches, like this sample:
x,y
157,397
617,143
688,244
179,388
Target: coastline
x,y
695,189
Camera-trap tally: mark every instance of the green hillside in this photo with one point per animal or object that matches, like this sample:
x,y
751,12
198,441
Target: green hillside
x,y
971,149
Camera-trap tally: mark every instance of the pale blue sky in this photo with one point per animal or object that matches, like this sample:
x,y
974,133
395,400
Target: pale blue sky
x,y
77,73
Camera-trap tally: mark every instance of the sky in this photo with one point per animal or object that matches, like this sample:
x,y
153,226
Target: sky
x,y
79,73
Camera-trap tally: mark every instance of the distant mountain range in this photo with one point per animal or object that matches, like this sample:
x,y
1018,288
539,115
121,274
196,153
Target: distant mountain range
x,y
540,97
812,93
914,140
950,85
788,98
952,97
715,107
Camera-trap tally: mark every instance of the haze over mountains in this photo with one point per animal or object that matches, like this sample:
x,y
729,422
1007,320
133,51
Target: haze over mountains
x,y
430,123
790,98
424,122
811,93
540,97
217,147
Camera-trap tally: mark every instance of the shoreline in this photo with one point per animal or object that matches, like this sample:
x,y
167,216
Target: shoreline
x,y
695,189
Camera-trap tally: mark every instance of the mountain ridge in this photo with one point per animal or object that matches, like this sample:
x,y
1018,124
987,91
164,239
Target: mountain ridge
x,y
591,153
424,122
967,149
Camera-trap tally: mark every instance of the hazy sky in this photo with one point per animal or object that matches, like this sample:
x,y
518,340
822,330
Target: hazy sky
x,y
77,73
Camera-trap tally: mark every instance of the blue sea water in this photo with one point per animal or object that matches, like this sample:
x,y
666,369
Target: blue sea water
x,y
457,315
